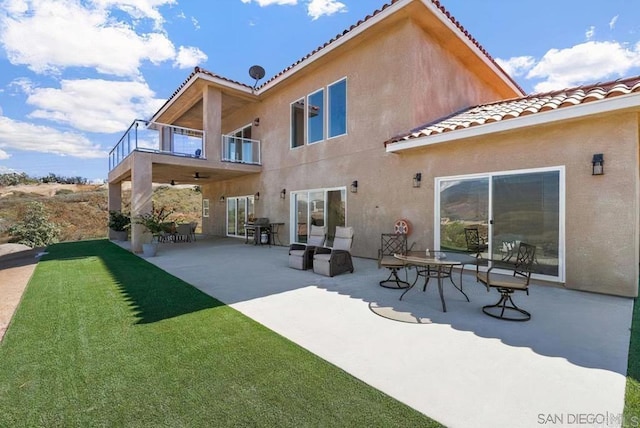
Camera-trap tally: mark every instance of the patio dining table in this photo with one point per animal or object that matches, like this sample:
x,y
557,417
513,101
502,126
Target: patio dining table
x,y
438,265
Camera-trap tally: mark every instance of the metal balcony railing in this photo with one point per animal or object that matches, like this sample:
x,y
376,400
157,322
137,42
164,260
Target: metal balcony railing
x,y
156,137
241,150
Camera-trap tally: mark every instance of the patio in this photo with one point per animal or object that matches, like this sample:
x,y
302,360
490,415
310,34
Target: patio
x,y
461,367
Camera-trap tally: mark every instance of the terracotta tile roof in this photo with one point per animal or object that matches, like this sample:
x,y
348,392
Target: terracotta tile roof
x,y
377,12
337,37
519,107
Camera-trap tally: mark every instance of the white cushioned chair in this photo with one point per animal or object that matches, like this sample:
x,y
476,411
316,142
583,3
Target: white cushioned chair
x,y
301,255
337,259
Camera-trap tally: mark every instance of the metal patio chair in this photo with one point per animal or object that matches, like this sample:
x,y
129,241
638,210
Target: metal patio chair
x,y
506,285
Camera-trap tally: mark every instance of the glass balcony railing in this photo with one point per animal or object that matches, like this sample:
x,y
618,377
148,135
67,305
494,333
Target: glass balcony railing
x,y
240,150
158,138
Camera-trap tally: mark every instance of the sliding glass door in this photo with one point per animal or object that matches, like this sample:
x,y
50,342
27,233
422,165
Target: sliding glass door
x,y
239,211
321,207
507,208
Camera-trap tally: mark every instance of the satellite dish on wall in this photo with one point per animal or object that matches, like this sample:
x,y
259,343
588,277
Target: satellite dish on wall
x,y
256,72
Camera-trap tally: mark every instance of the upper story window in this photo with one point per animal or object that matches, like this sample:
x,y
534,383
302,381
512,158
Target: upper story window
x,y
320,115
297,123
337,119
315,117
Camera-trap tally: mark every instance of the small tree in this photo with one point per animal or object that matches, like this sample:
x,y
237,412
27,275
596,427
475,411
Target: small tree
x,y
35,230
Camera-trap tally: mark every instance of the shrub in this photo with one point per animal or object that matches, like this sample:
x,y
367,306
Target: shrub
x,y
35,230
118,221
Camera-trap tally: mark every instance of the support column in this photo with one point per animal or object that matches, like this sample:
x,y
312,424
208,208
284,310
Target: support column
x,y
141,199
115,201
212,122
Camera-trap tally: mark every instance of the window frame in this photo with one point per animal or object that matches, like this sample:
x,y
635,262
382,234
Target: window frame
x,y
299,127
323,117
293,122
346,108
205,208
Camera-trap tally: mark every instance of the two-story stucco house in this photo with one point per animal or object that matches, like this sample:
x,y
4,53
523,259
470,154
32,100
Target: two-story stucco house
x,y
404,116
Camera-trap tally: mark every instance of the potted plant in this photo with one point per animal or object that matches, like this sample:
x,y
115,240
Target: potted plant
x,y
155,223
118,225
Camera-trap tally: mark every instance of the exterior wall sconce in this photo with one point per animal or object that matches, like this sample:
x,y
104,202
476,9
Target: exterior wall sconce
x,y
283,193
354,186
597,164
417,179
222,199
257,196
256,122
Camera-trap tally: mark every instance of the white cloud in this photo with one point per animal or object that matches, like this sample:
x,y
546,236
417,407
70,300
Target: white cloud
x,y
612,23
189,57
263,3
516,66
95,105
318,8
138,9
591,31
4,156
17,135
7,170
315,8
584,63
52,35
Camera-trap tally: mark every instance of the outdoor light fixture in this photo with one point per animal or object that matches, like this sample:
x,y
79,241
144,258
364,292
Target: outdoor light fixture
x,y
256,121
597,164
222,199
354,186
257,196
417,179
173,182
283,193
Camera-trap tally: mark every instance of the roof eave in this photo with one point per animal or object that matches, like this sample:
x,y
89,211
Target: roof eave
x,y
216,81
623,102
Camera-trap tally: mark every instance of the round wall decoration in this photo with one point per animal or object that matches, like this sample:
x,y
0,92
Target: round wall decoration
x,y
402,226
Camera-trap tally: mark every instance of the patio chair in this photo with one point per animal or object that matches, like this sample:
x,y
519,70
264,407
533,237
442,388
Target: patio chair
x,y
183,232
301,255
390,244
505,308
475,243
168,232
337,259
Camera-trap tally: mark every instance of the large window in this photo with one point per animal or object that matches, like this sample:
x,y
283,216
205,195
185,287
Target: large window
x,y
239,211
337,109
317,116
321,207
507,208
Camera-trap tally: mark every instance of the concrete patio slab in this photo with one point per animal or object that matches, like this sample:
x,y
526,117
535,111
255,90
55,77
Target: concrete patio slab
x,y
462,368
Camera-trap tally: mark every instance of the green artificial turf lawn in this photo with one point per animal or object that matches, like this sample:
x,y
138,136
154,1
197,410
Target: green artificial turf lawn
x,y
104,338
632,396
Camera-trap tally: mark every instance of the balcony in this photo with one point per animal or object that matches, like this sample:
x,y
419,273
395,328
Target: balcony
x,y
155,137
152,137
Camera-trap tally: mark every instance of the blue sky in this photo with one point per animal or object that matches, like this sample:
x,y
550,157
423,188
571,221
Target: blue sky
x,y
75,73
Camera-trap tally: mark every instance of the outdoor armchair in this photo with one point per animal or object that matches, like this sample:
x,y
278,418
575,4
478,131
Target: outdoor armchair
x,y
301,255
506,285
337,259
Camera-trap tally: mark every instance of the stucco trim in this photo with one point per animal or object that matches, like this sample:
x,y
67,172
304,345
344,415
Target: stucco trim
x,y
609,105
